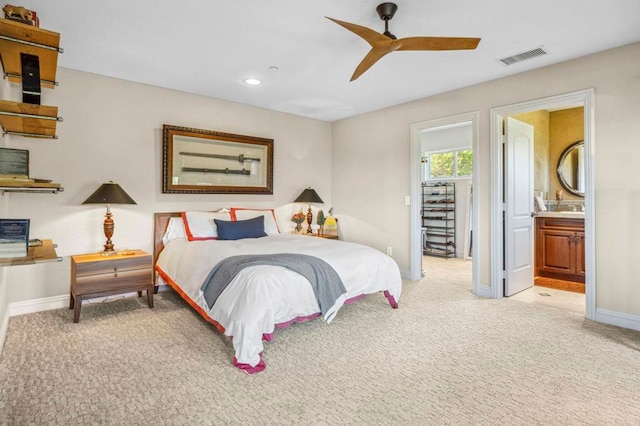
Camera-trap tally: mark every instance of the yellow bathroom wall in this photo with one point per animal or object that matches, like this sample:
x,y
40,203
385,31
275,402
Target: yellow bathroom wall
x,y
565,127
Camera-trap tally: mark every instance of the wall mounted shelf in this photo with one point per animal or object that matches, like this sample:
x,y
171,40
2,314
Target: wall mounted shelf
x,y
29,120
25,119
39,254
26,186
16,38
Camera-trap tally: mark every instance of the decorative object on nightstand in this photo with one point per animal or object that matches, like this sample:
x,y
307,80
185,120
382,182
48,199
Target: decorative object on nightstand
x,y
94,275
309,196
298,218
109,193
320,221
330,228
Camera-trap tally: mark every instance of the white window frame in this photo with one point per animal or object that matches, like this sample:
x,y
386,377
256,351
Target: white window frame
x,y
426,169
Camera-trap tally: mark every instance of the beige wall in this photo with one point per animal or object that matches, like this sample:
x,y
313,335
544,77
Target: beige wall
x,y
112,131
565,128
371,162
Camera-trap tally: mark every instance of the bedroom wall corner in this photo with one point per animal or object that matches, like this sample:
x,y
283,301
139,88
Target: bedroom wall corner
x,y
4,202
4,308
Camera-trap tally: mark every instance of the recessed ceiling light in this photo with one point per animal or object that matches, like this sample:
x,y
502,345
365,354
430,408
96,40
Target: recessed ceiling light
x,y
273,69
252,81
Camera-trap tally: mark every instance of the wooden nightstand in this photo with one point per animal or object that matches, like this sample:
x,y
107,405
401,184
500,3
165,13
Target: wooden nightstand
x,y
330,237
315,234
94,275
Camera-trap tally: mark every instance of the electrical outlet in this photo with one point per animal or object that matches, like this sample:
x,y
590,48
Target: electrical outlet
x,y
407,200
389,251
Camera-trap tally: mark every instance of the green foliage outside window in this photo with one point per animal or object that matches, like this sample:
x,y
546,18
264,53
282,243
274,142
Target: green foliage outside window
x,y
450,164
441,165
465,163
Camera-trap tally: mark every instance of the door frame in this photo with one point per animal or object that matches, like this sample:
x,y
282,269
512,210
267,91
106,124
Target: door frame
x,y
497,115
415,258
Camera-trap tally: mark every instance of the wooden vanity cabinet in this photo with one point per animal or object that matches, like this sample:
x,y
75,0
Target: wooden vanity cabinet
x,y
560,248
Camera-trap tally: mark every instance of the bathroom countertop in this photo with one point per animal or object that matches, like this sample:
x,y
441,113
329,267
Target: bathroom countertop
x,y
573,215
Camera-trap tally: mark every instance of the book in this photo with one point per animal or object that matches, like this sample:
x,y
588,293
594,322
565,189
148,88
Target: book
x,y
14,237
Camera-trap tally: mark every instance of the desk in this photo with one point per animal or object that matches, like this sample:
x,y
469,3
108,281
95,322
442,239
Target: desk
x,y
38,254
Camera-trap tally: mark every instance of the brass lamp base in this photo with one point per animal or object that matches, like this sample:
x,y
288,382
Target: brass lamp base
x,y
108,231
309,220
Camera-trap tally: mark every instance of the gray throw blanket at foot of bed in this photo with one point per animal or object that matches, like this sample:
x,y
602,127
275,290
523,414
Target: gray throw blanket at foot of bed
x,y
326,283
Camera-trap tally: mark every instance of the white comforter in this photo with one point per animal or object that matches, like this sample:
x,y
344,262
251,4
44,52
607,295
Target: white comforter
x,y
261,297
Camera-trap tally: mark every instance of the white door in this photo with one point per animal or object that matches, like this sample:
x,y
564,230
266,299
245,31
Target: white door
x,y
518,190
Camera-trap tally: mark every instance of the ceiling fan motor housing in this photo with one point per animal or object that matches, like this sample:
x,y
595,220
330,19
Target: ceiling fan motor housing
x,y
386,12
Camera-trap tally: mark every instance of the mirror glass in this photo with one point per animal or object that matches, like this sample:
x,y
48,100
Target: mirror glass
x,y
571,169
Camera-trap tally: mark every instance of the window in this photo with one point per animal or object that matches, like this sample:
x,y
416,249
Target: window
x,y
448,164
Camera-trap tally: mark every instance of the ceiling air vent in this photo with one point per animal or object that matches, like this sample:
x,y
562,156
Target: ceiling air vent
x,y
523,56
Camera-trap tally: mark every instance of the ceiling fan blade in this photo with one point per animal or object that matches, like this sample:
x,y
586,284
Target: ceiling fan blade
x,y
436,43
370,36
372,57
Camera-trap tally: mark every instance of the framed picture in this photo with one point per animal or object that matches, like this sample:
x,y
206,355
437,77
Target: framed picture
x,y
14,237
196,161
14,163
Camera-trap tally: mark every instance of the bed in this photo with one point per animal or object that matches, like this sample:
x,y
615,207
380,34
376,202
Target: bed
x,y
264,297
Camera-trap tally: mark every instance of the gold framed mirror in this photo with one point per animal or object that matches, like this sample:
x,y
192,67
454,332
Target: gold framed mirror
x,y
196,161
571,169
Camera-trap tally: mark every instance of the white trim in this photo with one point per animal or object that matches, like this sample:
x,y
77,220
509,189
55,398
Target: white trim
x,y
3,329
484,291
618,319
38,305
405,274
415,253
584,98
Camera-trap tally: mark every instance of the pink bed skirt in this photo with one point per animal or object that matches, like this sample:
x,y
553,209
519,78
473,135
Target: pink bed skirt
x,y
268,337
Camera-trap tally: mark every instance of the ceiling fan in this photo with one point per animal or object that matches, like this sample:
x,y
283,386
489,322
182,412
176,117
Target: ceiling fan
x,y
384,43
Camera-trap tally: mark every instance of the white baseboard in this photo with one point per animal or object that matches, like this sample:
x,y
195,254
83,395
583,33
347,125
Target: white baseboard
x,y
57,302
484,291
38,305
619,319
405,274
4,325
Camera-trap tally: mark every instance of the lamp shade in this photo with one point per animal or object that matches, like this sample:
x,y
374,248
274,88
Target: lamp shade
x,y
309,196
109,193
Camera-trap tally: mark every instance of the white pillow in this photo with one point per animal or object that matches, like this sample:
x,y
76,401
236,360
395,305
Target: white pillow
x,y
175,229
200,225
270,225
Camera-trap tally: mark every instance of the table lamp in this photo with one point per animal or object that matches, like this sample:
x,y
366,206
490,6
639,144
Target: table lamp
x,y
109,193
309,196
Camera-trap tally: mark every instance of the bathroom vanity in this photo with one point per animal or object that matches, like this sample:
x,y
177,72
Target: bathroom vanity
x,y
560,246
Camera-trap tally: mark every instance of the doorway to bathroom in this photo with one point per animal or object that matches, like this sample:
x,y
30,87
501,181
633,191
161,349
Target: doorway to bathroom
x,y
542,208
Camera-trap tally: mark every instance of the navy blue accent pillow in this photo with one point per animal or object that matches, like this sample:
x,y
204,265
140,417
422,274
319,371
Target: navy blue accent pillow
x,y
239,229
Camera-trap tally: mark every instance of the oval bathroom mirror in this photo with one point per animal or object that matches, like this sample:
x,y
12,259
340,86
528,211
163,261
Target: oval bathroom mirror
x,y
570,169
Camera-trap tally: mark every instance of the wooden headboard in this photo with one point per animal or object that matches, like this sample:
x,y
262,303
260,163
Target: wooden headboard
x,y
160,223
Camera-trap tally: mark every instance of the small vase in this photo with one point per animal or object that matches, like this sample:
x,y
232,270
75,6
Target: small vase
x,y
298,228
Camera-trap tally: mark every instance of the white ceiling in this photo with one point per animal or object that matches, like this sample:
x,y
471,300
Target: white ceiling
x,y
209,46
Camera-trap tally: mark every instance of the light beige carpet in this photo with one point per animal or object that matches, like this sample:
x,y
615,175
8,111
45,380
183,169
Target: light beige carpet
x,y
444,357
